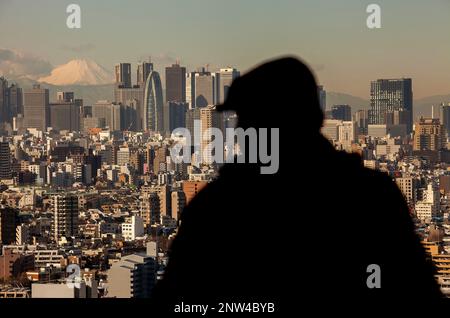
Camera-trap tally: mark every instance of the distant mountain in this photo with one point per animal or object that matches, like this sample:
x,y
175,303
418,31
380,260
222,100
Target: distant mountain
x,y
78,72
422,106
356,103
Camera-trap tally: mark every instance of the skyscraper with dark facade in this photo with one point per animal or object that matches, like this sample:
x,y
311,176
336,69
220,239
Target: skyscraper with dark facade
x,y
389,95
175,83
143,71
341,112
5,160
36,108
444,116
123,75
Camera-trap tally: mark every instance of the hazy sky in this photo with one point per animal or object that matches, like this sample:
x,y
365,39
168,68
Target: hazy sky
x,y
331,36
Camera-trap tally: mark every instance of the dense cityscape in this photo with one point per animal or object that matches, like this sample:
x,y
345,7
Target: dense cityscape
x,y
91,198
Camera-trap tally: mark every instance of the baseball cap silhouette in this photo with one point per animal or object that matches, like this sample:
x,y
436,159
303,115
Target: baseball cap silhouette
x,y
273,94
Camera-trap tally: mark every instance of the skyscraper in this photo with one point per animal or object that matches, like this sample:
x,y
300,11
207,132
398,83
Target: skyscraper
x,y
143,71
445,118
341,112
36,108
15,100
322,98
209,118
5,160
153,116
123,75
177,114
4,100
201,89
225,77
175,83
388,95
65,216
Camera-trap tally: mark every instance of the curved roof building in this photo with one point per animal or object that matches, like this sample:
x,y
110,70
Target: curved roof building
x,y
153,118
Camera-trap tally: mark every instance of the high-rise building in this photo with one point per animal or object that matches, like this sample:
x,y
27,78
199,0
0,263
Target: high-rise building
x,y
5,160
153,115
387,95
444,116
15,100
209,118
64,115
361,118
225,77
341,112
123,75
346,134
175,83
134,276
65,97
4,100
322,98
177,114
65,216
8,219
429,134
36,108
201,89
143,71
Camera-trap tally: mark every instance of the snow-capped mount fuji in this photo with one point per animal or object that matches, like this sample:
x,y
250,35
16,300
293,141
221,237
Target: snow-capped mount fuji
x,y
78,72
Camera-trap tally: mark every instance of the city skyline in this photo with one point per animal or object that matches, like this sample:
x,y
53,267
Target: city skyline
x,y
339,47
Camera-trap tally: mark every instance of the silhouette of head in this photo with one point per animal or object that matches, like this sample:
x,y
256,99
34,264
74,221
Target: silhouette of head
x,y
273,94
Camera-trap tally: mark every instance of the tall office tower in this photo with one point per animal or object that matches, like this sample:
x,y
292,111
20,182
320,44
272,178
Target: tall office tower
x,y
341,112
209,118
114,116
4,100
191,188
407,186
65,97
444,116
36,108
177,114
123,75
429,134
5,160
65,216
322,98
65,115
361,118
15,100
175,83
387,95
201,89
143,71
178,203
153,115
8,220
191,116
134,276
225,77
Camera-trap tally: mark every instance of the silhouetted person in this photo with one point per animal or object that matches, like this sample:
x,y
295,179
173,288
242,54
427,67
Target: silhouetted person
x,y
308,232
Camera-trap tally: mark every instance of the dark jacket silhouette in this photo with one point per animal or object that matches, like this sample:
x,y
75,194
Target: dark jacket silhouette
x,y
308,232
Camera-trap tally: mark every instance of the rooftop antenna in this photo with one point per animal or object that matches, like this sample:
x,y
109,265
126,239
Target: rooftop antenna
x,y
432,111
